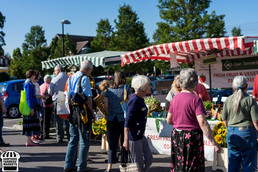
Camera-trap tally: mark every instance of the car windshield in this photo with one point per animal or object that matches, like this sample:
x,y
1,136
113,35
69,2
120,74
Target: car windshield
x,y
2,88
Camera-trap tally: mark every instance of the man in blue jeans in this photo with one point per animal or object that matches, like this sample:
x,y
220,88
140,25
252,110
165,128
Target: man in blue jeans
x,y
2,111
58,84
79,132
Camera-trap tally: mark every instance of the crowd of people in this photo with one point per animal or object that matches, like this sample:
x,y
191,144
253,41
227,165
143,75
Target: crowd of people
x,y
125,129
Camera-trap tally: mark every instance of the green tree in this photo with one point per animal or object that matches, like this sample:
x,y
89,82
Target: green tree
x,y
104,33
130,33
16,64
34,51
35,38
186,20
2,34
236,31
216,26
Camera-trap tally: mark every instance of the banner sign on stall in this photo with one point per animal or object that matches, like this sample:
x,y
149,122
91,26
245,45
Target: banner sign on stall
x,y
210,59
158,134
240,64
226,68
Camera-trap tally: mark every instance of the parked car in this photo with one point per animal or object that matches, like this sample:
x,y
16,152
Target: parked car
x,y
217,94
11,91
99,79
166,81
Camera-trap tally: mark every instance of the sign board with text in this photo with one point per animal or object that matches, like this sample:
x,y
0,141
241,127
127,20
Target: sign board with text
x,y
158,134
226,68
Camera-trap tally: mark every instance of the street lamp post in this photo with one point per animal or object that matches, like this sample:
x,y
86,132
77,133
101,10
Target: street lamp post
x,y
64,22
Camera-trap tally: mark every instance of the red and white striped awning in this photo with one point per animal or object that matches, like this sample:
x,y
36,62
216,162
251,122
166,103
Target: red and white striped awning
x,y
188,51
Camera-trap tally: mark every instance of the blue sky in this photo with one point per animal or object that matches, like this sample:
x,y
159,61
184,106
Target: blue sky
x,y
85,14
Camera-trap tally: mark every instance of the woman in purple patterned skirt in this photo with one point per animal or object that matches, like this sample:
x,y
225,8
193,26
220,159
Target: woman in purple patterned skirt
x,y
187,114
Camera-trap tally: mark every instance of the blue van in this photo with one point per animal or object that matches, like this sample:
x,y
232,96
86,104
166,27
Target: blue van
x,y
11,92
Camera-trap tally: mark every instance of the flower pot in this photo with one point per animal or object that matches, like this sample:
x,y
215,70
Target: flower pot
x,y
220,160
104,143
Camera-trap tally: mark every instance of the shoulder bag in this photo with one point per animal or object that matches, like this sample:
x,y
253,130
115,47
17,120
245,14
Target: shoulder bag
x,y
124,102
23,106
126,166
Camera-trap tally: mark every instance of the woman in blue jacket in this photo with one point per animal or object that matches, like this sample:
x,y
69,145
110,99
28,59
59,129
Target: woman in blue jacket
x,y
31,122
135,124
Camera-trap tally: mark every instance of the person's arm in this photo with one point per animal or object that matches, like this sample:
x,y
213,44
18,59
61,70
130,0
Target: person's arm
x,y
256,125
30,97
2,104
91,108
207,131
106,105
51,89
126,138
167,105
169,118
226,123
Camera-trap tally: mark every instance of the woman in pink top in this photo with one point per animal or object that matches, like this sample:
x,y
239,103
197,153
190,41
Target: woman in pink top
x,y
47,108
187,114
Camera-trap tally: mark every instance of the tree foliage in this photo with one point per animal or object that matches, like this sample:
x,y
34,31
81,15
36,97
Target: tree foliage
x,y
186,20
34,51
2,34
130,33
4,76
216,26
16,64
34,39
236,31
104,33
56,49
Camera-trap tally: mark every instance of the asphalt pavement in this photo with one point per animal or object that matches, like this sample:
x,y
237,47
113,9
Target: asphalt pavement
x,y
50,156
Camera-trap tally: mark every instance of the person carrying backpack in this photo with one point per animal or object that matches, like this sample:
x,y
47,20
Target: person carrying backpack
x,y
80,118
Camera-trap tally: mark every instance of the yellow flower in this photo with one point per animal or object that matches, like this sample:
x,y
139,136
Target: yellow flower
x,y
219,131
104,122
215,128
218,139
224,132
94,132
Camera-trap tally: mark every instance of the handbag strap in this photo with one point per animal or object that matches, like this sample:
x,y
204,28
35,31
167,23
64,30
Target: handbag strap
x,y
80,83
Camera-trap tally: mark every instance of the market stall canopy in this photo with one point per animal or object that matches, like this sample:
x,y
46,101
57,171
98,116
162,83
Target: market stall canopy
x,y
103,58
188,51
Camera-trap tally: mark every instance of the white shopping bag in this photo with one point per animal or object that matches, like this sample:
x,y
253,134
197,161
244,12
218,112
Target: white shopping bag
x,y
62,108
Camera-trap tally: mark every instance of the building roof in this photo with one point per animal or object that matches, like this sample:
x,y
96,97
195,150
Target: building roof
x,y
102,58
79,40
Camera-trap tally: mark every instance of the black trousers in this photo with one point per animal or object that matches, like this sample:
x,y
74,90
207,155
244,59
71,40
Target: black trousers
x,y
115,129
46,121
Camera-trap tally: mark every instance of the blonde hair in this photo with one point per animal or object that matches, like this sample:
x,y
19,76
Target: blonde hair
x,y
176,84
103,85
239,84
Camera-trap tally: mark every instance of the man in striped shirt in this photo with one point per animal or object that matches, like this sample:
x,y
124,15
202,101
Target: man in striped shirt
x,y
58,84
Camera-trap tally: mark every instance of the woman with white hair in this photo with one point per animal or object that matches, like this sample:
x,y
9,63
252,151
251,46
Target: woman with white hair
x,y
135,123
187,113
45,123
240,115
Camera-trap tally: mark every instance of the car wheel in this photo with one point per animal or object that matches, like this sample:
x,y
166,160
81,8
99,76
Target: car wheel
x,y
13,111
